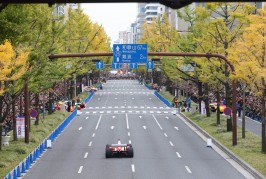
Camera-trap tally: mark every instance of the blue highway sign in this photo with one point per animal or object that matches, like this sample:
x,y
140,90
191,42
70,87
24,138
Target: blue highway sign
x,y
116,65
130,53
133,66
100,65
150,65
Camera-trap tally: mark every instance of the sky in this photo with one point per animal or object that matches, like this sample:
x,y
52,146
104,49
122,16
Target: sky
x,y
114,17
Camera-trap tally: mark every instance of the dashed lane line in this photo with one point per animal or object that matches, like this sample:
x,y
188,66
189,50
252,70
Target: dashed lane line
x,y
165,135
133,167
90,143
188,170
80,169
127,121
93,134
157,122
86,155
178,155
98,122
171,143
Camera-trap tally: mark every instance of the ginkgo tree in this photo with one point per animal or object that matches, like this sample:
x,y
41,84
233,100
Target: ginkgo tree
x,y
249,57
13,65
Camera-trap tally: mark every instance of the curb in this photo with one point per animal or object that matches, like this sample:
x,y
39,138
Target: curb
x,y
241,162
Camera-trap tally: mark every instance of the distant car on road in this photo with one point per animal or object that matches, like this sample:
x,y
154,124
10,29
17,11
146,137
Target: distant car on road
x,y
119,150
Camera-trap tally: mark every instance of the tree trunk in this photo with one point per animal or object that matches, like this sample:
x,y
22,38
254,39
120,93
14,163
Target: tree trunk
x,y
1,120
228,96
263,126
37,104
218,108
14,119
20,106
26,111
244,113
206,99
200,95
50,109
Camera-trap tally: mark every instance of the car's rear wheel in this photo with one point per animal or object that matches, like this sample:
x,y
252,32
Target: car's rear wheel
x,y
108,151
130,152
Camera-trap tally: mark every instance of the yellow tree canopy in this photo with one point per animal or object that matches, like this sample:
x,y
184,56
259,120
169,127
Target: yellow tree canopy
x,y
249,53
12,65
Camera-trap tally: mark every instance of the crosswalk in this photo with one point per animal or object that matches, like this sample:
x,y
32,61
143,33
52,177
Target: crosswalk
x,y
127,111
124,92
127,107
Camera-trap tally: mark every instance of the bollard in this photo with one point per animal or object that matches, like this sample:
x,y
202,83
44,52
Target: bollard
x,y
27,163
23,167
31,158
15,174
9,176
209,142
34,156
18,172
49,144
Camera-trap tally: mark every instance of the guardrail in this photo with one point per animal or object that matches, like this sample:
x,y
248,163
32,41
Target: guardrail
x,y
165,101
26,163
148,86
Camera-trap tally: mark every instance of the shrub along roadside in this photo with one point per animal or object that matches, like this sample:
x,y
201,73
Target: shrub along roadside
x,y
248,149
11,155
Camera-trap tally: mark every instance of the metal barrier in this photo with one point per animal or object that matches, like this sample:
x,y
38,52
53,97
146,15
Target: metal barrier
x,y
165,101
26,163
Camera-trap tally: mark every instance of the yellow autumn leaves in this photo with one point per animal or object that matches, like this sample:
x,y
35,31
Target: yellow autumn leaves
x,y
12,64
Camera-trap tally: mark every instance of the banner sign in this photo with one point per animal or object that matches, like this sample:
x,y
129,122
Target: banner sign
x,y
20,127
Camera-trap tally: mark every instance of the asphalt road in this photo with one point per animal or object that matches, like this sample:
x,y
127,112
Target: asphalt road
x,y
164,146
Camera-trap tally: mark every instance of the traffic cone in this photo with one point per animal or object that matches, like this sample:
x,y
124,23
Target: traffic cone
x,y
23,168
18,172
15,174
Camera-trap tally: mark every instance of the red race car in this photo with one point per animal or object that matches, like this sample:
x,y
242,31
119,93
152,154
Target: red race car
x,y
119,150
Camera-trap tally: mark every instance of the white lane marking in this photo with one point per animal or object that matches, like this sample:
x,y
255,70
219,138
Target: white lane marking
x,y
130,111
151,112
128,133
140,117
108,111
166,117
93,134
87,117
144,111
133,98
98,99
123,111
86,155
80,128
129,141
115,111
96,107
171,143
144,127
90,143
165,135
157,122
159,112
127,121
115,98
176,128
80,169
87,112
98,122
101,112
113,117
112,127
133,167
178,155
137,111
189,171
109,107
